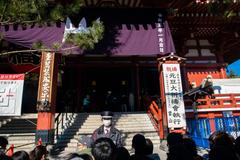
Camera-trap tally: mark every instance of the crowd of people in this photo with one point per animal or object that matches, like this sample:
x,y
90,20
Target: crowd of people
x,y
38,153
106,143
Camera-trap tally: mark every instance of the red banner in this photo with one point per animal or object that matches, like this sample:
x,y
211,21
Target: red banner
x,y
11,76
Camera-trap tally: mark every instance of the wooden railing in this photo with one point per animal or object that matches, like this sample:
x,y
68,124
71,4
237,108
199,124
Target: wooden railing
x,y
156,117
220,101
213,106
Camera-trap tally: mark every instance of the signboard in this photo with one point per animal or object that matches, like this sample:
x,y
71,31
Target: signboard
x,y
174,96
11,91
45,81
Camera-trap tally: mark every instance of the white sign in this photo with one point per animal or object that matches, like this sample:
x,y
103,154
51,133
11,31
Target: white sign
x,y
174,96
160,33
11,91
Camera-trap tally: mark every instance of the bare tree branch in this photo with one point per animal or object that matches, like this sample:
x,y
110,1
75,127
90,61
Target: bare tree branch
x,y
39,50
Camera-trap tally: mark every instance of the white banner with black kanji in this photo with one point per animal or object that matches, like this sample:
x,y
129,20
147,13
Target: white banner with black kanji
x,y
174,96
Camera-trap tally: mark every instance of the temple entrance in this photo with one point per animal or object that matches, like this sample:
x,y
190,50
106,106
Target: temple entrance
x,y
120,88
106,89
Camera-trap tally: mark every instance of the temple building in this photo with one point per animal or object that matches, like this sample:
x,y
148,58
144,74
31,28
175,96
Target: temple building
x,y
167,58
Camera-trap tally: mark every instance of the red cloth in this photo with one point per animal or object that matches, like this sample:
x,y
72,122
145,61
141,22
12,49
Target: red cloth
x,y
10,151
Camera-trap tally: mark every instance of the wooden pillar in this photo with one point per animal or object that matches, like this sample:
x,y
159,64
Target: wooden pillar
x,y
211,117
46,99
137,88
162,111
220,60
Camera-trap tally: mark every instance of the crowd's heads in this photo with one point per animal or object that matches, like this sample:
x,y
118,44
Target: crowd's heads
x,y
75,156
139,144
221,138
121,154
180,147
222,146
174,138
190,145
39,153
20,155
107,118
103,149
149,146
237,145
222,153
3,142
178,152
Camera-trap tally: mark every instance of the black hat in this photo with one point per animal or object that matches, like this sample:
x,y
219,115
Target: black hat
x,y
107,114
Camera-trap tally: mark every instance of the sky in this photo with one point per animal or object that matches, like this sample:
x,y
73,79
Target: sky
x,y
235,66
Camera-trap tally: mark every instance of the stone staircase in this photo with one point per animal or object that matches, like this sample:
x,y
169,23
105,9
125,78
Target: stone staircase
x,y
84,124
21,130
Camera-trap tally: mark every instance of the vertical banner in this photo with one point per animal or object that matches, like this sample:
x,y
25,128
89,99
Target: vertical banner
x,y
174,96
47,88
11,92
45,82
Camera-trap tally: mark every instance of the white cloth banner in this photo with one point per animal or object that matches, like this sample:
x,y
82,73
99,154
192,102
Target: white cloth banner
x,y
174,96
11,91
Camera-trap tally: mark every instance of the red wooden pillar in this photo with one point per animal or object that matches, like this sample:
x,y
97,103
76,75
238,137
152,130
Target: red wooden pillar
x,y
46,100
211,117
162,111
171,59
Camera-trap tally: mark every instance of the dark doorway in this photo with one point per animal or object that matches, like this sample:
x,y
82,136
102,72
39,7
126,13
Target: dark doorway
x,y
108,88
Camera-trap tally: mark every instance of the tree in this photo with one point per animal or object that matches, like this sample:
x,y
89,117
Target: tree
x,y
43,12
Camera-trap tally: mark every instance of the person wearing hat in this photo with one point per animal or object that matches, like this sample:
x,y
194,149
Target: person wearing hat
x,y
108,130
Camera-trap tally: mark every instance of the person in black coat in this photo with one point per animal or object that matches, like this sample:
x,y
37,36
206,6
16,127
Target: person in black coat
x,y
108,130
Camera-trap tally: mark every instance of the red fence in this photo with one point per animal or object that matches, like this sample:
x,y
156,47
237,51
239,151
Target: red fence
x,y
208,107
156,117
220,101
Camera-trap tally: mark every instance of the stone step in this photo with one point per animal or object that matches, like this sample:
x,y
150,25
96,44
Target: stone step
x,y
68,136
121,127
17,127
75,138
115,120
21,141
26,116
14,130
22,138
127,140
126,143
20,131
17,134
89,131
75,149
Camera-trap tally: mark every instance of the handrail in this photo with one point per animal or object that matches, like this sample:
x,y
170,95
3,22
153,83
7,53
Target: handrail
x,y
60,120
57,121
153,108
219,101
156,115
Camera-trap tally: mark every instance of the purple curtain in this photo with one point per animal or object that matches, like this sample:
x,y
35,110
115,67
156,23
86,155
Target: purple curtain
x,y
143,41
123,36
26,37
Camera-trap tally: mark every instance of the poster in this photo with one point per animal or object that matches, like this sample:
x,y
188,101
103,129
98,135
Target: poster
x,y
174,96
11,92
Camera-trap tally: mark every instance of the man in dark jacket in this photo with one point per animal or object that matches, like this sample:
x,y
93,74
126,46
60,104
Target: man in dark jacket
x,y
107,130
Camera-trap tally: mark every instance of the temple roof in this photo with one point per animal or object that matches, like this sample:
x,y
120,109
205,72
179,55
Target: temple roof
x,y
208,19
202,19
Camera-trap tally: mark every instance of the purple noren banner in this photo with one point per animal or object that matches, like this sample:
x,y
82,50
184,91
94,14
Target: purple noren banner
x,y
122,37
